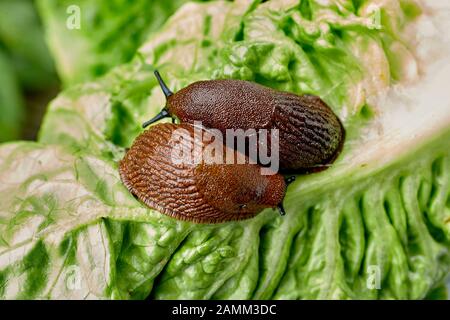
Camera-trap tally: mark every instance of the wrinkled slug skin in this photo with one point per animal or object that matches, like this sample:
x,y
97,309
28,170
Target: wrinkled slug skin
x,y
203,192
311,135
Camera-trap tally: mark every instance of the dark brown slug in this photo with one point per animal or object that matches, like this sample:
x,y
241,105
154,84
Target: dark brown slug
x,y
168,180
310,134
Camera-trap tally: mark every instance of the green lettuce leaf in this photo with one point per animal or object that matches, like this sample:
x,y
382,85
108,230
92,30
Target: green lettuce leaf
x,y
374,225
11,104
76,232
109,32
22,38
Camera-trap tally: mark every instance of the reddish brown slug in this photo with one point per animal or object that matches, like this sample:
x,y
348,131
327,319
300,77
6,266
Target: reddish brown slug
x,y
163,177
310,134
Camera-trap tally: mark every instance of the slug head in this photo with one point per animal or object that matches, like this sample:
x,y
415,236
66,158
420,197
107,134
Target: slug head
x,y
240,190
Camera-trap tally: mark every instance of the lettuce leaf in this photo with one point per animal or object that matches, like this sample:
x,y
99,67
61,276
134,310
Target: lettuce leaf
x,y
11,104
374,225
22,38
68,236
109,33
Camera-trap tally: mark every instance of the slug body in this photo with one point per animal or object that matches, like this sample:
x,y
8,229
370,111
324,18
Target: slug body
x,y
310,134
204,192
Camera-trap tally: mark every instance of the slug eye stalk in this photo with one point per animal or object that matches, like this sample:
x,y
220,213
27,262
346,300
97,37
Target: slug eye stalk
x,y
281,209
163,85
280,206
164,112
289,180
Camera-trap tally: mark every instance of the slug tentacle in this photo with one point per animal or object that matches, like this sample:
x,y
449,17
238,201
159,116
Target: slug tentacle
x,y
163,85
161,115
289,180
281,209
164,112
